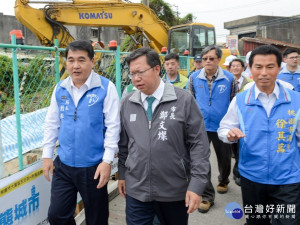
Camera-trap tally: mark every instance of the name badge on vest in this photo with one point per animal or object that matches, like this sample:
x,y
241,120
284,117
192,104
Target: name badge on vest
x,y
132,117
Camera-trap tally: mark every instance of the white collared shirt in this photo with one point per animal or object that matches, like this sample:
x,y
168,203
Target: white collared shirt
x,y
111,121
158,93
78,93
240,80
230,120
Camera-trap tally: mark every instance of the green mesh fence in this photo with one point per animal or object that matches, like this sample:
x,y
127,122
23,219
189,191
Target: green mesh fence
x,y
36,78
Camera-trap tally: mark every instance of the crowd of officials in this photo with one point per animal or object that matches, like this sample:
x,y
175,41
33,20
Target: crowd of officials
x,y
161,132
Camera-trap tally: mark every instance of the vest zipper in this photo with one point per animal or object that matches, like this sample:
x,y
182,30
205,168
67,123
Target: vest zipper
x,y
75,114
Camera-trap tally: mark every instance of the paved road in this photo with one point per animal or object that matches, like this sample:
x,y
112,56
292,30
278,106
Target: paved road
x,y
215,216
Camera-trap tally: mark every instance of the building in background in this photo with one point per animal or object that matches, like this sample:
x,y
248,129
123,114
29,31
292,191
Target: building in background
x,y
282,29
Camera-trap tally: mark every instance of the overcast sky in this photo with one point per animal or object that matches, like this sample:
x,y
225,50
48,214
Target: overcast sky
x,y
217,12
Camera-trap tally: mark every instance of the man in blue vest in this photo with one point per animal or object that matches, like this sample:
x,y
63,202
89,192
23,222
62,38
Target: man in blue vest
x,y
213,89
265,120
291,71
84,117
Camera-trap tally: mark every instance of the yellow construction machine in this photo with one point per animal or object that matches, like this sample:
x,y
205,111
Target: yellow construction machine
x,y
49,23
135,18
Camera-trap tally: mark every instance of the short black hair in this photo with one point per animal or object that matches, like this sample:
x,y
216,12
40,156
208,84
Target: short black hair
x,y
81,45
172,56
152,56
237,60
266,50
289,51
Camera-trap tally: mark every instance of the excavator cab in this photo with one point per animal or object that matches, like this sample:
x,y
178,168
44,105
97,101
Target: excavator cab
x,y
193,37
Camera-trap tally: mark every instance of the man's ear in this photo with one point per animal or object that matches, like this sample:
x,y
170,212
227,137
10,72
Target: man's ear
x,y
157,69
284,59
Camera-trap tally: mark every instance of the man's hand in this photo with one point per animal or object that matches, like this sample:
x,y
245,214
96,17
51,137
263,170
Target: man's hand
x,y
47,167
103,170
121,187
192,200
235,134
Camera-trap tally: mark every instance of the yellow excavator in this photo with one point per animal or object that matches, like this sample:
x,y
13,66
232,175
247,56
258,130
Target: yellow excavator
x,y
135,18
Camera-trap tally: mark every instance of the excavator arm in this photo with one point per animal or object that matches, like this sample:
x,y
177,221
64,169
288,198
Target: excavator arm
x,y
48,23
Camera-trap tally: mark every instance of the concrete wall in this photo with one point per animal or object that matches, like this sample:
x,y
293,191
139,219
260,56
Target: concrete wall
x,y
284,29
8,23
106,34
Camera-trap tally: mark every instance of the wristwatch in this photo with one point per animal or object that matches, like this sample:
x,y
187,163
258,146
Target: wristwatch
x,y
107,161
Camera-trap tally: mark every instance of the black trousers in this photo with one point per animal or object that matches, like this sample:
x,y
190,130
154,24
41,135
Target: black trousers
x,y
66,182
235,150
168,213
223,153
260,199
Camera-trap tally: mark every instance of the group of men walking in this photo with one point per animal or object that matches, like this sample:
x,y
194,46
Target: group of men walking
x,y
162,135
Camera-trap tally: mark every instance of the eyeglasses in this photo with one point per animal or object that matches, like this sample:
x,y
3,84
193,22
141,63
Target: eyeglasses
x,y
208,59
138,74
294,58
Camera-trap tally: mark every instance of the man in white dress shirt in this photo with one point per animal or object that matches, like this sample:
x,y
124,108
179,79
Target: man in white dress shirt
x,y
265,120
84,117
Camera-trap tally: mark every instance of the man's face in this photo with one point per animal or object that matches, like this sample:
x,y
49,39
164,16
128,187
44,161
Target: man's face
x,y
236,68
264,71
79,66
210,60
198,64
292,59
145,78
171,67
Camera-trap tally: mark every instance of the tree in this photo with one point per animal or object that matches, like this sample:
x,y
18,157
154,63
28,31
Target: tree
x,y
164,12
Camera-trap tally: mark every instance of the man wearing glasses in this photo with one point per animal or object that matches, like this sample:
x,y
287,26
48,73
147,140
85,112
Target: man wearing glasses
x,y
213,89
291,71
163,149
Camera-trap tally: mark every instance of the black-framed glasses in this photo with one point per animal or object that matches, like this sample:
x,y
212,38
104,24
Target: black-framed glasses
x,y
138,74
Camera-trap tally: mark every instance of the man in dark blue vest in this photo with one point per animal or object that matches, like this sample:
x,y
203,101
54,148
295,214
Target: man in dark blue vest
x,y
84,117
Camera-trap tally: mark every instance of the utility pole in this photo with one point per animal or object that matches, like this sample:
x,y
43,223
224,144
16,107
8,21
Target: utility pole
x,y
177,14
146,2
145,42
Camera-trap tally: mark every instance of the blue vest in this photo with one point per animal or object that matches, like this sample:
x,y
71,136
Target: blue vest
x,y
292,78
269,153
213,107
82,129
